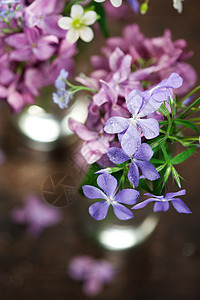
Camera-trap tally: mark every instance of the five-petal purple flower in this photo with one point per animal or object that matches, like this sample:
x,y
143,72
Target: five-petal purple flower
x,y
162,202
141,105
108,183
139,160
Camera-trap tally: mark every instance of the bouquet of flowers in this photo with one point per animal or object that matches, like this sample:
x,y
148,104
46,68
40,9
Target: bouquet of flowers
x,y
139,107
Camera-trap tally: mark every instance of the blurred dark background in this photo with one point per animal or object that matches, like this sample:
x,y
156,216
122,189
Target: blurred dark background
x,y
166,266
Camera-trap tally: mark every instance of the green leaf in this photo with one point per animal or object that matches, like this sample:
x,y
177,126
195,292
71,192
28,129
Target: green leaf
x,y
182,115
156,161
166,176
163,123
102,21
165,154
157,141
182,156
160,168
186,124
163,109
176,177
173,106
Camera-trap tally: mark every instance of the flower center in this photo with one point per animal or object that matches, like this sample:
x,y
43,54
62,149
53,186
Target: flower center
x,y
76,23
133,120
34,45
110,200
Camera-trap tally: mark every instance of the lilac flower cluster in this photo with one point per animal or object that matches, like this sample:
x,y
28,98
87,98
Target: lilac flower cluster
x,y
94,273
130,62
36,215
33,50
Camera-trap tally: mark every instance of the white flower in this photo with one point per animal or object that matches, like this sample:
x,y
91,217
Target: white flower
x,y
77,25
115,3
177,4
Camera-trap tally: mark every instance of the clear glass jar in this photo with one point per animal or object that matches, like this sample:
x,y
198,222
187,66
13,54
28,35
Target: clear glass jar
x,y
44,124
114,234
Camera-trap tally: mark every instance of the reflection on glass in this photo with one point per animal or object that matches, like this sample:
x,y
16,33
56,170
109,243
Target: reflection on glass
x,y
121,238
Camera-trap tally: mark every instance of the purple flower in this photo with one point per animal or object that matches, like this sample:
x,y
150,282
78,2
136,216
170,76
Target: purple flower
x,y
60,80
134,4
108,183
61,97
96,141
44,15
162,202
141,105
139,160
36,214
31,44
93,272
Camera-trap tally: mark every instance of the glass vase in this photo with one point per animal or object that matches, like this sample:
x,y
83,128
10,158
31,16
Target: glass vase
x,y
43,125
114,234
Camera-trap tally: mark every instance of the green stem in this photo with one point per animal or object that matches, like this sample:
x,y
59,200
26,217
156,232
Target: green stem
x,y
189,108
190,94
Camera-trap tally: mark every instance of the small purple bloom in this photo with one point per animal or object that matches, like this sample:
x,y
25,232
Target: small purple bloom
x,y
134,4
93,272
36,214
60,81
108,183
31,44
162,202
141,105
61,98
139,160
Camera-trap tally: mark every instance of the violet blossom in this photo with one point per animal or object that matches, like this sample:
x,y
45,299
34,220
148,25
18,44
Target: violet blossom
x,y
108,184
141,105
140,160
96,141
36,214
44,14
31,44
162,202
93,272
161,53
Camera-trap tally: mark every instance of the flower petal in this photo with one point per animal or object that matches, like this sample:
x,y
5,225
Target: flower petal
x,y
86,34
81,130
65,23
92,192
161,206
148,170
108,183
169,196
150,107
134,101
117,155
76,11
180,206
127,196
150,127
174,81
144,152
99,210
143,203
131,140
122,212
89,18
133,174
116,125
72,35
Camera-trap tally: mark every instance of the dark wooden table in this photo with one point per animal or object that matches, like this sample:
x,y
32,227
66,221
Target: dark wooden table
x,y
167,266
